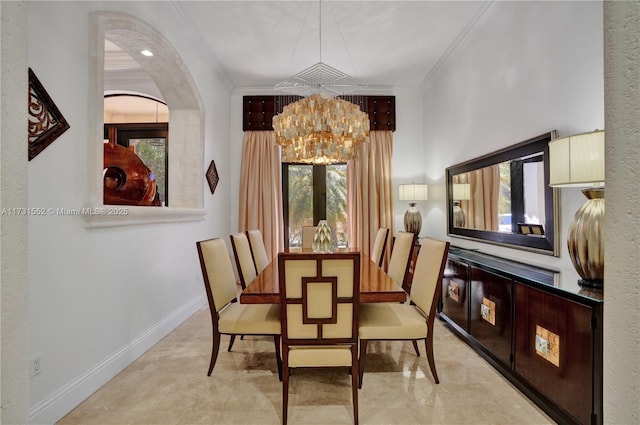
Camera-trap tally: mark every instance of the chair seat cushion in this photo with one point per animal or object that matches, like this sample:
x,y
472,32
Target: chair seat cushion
x,y
391,321
319,356
250,319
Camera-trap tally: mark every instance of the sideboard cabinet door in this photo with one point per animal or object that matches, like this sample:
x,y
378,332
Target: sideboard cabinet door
x,y
454,293
491,312
553,349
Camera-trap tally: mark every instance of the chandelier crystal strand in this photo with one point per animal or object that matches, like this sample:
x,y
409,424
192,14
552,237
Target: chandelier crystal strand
x,y
320,129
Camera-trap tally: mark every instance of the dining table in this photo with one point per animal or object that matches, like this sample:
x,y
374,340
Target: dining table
x,y
376,285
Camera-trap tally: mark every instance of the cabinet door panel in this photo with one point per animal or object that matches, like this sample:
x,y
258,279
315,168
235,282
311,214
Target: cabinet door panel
x,y
491,312
566,331
454,292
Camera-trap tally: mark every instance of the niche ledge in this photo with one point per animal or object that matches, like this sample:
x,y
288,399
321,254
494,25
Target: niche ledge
x,y
125,215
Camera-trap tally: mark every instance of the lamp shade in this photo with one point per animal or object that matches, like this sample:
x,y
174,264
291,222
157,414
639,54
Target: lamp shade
x,y
413,192
461,191
577,160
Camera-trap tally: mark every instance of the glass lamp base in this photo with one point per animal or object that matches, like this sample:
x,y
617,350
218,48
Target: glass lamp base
x,y
412,219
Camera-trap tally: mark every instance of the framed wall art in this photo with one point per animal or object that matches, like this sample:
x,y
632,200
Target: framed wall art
x,y
212,176
46,122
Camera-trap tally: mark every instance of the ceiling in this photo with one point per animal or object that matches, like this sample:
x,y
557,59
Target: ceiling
x,y
382,44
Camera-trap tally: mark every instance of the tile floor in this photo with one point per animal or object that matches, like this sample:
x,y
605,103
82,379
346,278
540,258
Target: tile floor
x,y
169,385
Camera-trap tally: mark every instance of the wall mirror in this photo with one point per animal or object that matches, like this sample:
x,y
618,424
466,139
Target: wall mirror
x,y
504,198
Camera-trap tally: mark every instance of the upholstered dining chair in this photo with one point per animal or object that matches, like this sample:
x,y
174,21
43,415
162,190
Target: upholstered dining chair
x,y
229,317
307,236
410,321
244,260
258,250
319,296
401,253
379,246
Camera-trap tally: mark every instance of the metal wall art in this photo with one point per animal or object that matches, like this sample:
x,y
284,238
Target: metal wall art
x,y
46,122
212,176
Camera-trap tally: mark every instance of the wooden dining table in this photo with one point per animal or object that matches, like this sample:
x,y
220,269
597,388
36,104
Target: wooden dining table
x,y
376,285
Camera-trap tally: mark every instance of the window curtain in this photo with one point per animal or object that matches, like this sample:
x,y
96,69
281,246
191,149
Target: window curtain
x,y
369,192
261,189
482,209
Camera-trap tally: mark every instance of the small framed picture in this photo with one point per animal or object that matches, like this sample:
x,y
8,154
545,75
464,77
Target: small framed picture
x,y
212,176
46,122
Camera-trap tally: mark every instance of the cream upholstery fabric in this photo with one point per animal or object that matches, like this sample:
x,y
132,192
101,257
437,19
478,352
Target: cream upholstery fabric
x,y
379,245
220,271
319,356
391,321
400,256
426,274
260,257
319,296
244,259
307,236
243,319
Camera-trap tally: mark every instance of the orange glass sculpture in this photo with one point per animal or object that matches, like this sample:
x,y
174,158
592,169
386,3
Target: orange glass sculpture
x,y
127,180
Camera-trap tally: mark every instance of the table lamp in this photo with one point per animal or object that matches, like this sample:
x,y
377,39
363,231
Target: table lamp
x,y
413,192
578,161
461,192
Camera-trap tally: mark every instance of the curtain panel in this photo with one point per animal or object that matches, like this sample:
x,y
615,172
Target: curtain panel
x,y
260,194
482,209
370,193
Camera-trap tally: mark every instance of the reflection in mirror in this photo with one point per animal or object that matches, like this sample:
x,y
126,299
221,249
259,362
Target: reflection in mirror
x,y
505,198
501,196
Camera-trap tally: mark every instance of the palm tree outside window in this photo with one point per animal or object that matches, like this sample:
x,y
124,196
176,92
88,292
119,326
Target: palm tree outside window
x,y
312,193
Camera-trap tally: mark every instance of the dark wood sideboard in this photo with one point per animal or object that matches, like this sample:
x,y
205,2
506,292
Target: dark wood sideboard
x,y
546,340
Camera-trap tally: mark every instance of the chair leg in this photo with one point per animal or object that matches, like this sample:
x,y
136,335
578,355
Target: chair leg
x,y
276,341
285,393
354,382
231,341
214,349
363,353
428,342
415,347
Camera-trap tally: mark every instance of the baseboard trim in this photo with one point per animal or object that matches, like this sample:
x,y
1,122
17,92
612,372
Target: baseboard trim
x,y
67,397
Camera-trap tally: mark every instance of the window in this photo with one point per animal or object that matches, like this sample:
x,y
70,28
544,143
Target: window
x,y
312,193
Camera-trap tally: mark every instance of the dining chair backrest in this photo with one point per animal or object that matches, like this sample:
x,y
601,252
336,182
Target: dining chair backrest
x,y
379,246
319,298
244,259
307,236
217,272
400,257
428,273
258,250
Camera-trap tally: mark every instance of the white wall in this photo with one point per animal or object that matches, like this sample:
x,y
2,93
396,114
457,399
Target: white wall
x,y
100,297
531,68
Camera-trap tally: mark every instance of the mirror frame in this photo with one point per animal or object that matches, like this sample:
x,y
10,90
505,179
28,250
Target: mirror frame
x,y
544,245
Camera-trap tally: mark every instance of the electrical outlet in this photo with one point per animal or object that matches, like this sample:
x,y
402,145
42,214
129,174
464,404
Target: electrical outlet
x,y
35,365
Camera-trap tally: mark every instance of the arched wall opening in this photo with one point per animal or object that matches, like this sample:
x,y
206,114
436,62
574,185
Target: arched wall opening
x,y
177,88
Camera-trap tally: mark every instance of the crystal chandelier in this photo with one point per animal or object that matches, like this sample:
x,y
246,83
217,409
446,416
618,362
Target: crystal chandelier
x,y
320,128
